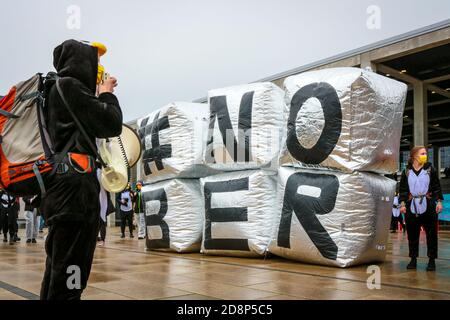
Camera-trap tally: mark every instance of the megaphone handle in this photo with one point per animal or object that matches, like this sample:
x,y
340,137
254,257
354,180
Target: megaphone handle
x,y
124,155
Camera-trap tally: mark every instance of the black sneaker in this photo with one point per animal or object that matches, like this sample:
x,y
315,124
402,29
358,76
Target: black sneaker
x,y
122,236
33,240
131,236
16,238
412,264
28,240
141,238
431,265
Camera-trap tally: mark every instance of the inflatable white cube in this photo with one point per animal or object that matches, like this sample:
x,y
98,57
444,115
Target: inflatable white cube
x,y
239,213
173,140
332,218
245,127
343,118
174,215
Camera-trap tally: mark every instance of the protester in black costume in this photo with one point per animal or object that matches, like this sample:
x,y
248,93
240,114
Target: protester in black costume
x,y
4,215
421,202
71,204
8,217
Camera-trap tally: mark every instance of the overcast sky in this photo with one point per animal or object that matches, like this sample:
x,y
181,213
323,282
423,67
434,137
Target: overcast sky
x,y
175,50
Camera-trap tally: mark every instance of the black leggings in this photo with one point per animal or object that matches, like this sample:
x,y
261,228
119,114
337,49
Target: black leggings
x,y
126,218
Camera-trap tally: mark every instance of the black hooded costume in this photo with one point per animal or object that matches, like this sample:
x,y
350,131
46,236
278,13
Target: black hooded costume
x,y
71,204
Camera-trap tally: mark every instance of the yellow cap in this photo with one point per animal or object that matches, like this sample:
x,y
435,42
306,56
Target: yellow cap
x,y
100,46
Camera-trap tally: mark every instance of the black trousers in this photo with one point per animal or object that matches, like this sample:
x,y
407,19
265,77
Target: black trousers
x,y
395,221
70,250
427,220
4,221
8,221
13,227
126,219
102,227
72,212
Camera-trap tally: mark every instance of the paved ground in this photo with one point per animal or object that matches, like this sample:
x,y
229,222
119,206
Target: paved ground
x,y
123,269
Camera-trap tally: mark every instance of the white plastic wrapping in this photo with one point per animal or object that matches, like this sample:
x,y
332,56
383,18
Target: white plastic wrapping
x,y
343,118
332,218
173,140
245,127
239,213
174,214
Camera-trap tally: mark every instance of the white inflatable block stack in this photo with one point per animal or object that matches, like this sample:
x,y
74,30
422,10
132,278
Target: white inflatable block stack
x,y
240,213
370,106
252,111
174,213
173,140
344,218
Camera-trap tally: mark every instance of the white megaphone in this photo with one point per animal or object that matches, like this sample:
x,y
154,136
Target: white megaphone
x,y
119,154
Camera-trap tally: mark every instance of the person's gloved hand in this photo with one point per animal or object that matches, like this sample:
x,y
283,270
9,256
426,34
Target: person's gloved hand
x,y
108,85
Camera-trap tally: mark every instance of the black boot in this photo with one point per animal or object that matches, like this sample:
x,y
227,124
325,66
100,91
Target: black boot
x,y
122,236
412,264
431,265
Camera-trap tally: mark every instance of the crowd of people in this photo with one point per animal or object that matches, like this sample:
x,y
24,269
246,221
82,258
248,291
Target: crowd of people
x,y
9,214
132,214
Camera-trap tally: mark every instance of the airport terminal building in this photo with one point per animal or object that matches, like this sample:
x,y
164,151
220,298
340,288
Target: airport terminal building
x,y
421,59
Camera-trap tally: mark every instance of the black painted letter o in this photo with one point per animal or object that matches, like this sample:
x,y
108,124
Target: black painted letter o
x,y
331,132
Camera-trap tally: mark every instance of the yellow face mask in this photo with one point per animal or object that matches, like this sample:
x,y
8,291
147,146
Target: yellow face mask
x,y
423,159
100,73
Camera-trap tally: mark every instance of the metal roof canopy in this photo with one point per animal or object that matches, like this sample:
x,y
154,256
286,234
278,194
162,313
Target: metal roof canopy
x,y
361,50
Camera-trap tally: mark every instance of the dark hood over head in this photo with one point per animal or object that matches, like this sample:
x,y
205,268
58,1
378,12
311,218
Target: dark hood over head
x,y
78,60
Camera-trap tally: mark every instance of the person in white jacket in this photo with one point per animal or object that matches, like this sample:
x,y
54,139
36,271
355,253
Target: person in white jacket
x,y
32,219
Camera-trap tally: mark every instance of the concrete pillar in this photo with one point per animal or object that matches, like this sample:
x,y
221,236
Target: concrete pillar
x,y
366,62
420,115
437,159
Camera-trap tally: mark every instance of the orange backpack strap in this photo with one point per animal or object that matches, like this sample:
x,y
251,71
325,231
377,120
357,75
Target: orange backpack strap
x,y
83,161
